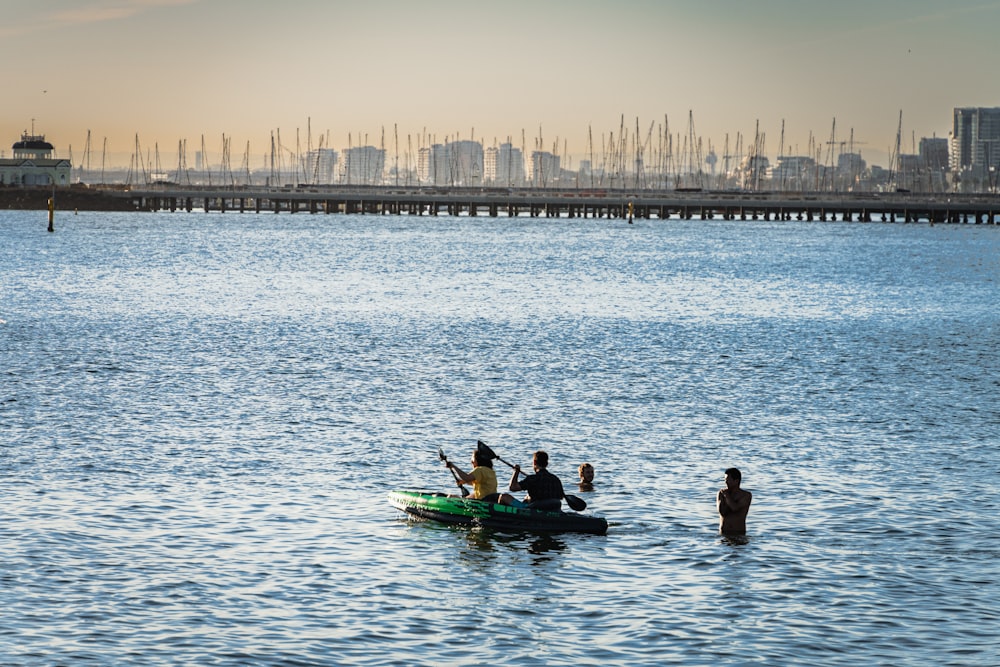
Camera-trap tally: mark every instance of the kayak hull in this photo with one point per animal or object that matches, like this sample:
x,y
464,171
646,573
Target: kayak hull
x,y
469,512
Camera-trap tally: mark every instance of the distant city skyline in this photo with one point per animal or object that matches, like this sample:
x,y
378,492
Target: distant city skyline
x,y
559,76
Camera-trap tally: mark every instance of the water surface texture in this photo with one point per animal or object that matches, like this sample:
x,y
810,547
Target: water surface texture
x,y
201,415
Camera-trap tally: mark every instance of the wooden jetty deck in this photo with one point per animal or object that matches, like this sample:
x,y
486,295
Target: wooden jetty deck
x,y
573,203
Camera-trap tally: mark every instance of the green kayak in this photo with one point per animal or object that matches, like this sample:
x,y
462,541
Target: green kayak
x,y
469,512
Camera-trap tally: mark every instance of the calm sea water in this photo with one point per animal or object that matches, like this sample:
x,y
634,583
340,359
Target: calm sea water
x,y
201,415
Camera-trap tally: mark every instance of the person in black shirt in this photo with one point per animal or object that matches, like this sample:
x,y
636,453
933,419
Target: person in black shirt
x,y
545,490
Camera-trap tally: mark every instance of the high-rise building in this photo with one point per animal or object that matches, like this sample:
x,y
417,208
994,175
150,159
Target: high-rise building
x,y
362,166
504,166
432,165
545,168
975,140
321,166
465,160
794,172
934,153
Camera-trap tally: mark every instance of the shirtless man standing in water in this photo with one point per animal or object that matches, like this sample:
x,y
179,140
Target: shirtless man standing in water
x,y
734,503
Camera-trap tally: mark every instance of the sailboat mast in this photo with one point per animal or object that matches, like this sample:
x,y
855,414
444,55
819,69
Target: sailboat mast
x,y
590,152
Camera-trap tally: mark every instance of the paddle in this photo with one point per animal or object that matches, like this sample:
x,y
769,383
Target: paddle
x,y
575,503
465,491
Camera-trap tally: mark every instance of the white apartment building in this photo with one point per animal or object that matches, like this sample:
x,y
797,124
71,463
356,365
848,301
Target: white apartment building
x,y
432,165
363,165
321,166
504,166
465,159
545,169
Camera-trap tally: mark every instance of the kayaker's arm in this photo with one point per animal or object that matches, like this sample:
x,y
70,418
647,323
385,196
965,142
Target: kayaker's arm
x,y
462,475
514,484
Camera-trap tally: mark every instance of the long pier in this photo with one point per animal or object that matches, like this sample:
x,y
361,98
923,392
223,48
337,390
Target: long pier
x,y
573,203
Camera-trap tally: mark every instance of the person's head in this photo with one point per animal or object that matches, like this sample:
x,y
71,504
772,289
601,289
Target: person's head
x,y
586,473
540,459
481,459
733,477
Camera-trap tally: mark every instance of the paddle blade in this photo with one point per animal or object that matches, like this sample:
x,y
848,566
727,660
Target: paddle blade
x,y
441,454
483,448
575,503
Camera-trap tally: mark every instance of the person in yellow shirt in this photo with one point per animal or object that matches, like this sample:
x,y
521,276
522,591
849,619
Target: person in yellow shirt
x,y
481,477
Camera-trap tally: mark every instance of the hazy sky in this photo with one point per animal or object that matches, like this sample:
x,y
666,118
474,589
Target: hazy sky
x,y
562,70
